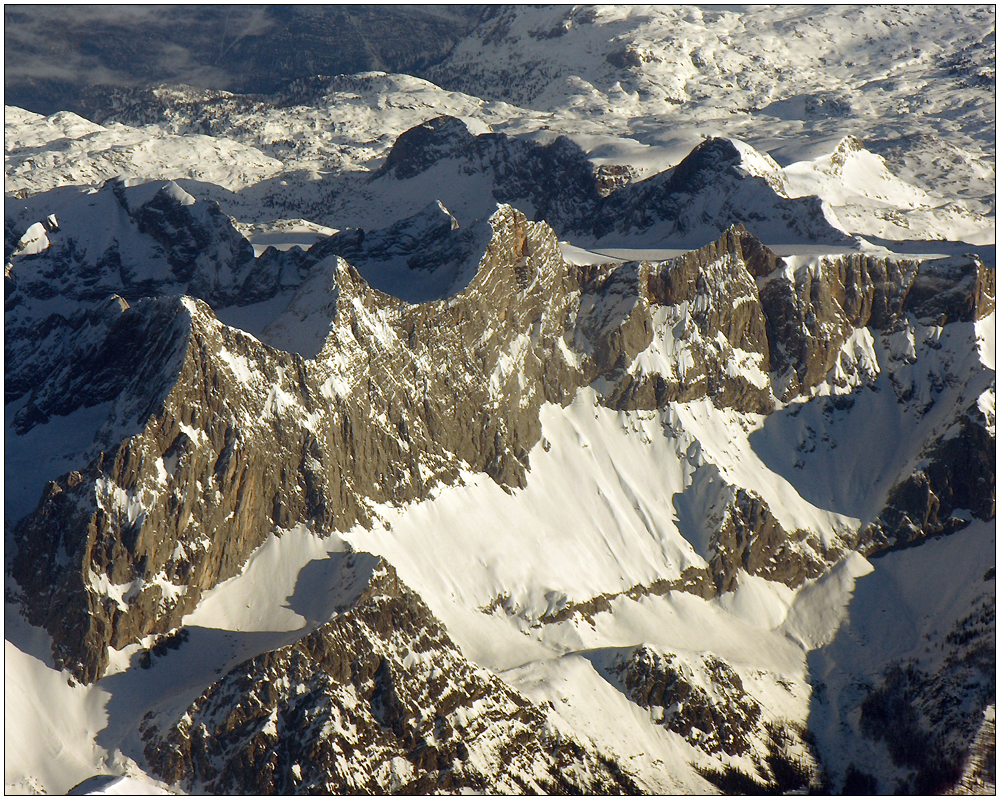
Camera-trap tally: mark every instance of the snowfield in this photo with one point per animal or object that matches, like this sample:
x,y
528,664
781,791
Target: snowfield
x,y
878,121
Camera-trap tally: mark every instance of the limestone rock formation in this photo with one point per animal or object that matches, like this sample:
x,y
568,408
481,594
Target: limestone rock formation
x,y
218,438
378,699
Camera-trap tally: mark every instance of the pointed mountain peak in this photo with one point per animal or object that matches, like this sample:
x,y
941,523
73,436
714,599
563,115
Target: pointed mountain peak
x,y
717,156
849,147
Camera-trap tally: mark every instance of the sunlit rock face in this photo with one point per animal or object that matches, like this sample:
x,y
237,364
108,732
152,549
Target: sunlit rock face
x,y
379,435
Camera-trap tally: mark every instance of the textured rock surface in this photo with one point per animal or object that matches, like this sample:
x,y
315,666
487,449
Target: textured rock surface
x,y
703,699
664,598
377,700
557,179
956,481
714,187
220,438
160,515
249,438
811,315
724,715
750,538
710,320
980,773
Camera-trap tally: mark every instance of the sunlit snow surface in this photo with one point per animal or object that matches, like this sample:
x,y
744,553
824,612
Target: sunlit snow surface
x,y
614,500
774,79
600,514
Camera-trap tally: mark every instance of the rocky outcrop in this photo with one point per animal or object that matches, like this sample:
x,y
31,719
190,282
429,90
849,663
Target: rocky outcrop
x,y
751,539
724,715
703,699
428,256
557,179
692,318
182,488
139,241
718,184
53,360
693,580
979,775
812,311
378,699
952,290
956,482
240,438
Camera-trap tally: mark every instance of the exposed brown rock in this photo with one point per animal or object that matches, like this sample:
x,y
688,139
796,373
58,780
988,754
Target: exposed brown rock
x,y
959,475
216,440
246,439
376,700
750,538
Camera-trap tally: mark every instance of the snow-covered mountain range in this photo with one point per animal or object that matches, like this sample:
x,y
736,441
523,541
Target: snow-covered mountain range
x,y
609,408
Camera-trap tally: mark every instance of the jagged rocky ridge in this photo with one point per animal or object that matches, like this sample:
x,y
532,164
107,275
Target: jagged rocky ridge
x,y
377,700
220,438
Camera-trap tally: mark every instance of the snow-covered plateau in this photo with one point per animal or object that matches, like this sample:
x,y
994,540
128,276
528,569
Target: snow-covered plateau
x,y
609,408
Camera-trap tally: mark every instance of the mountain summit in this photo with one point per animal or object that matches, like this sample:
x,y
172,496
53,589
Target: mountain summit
x,y
371,434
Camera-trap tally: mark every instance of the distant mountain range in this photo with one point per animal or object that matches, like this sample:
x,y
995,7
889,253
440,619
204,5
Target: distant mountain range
x,y
52,54
507,400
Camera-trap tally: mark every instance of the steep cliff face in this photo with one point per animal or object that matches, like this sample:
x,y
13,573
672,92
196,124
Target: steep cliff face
x,y
378,699
218,438
954,482
177,493
704,330
367,436
247,438
812,312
